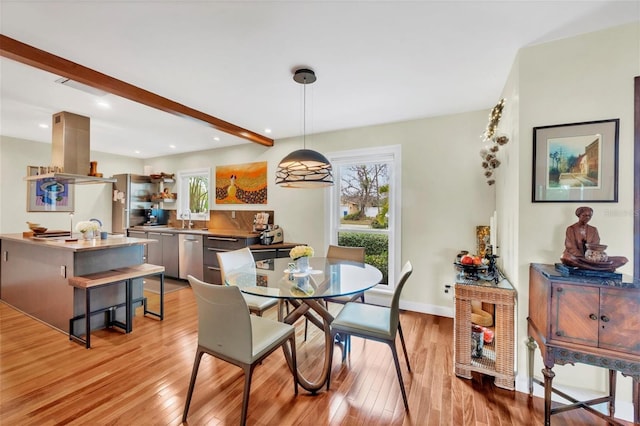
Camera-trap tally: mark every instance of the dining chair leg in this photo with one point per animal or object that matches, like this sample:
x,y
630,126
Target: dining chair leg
x,y
294,363
248,372
192,382
404,347
333,338
346,345
392,345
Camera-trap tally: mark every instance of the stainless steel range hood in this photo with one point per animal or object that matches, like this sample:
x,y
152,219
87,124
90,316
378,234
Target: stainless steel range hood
x,y
70,148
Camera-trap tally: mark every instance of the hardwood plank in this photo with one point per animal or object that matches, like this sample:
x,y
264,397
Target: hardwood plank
x,y
142,378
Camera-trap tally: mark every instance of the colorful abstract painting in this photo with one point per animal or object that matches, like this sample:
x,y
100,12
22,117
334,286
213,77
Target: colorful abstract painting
x,y
242,183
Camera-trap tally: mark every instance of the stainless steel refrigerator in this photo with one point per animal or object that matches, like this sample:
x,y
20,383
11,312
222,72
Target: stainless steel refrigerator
x,y
131,200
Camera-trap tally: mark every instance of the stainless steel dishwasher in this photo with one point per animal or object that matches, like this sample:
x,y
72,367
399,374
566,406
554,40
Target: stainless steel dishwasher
x,y
190,256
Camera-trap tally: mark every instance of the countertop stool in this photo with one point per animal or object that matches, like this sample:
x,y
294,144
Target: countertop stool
x,y
113,277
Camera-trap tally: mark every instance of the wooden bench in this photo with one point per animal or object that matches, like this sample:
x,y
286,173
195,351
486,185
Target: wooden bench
x,y
112,277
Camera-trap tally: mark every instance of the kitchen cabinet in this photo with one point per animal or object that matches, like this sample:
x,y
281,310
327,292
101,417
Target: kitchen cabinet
x,y
214,244
587,319
165,252
268,252
140,234
497,358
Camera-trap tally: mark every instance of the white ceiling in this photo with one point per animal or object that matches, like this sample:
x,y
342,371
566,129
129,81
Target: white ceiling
x,y
376,62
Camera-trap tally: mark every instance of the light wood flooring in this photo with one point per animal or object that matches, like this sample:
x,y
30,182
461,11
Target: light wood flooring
x,y
142,378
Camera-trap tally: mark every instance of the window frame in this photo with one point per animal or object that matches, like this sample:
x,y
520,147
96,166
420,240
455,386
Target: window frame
x,y
391,154
183,192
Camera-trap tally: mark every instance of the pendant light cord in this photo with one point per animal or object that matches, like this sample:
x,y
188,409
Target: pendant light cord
x,y
304,113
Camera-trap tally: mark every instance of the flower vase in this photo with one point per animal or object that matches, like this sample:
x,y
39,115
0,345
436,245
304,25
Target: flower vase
x,y
87,235
302,263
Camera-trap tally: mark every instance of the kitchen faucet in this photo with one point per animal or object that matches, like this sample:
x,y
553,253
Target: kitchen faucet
x,y
189,223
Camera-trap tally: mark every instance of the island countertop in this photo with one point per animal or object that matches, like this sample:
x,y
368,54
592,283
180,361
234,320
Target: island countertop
x,y
80,245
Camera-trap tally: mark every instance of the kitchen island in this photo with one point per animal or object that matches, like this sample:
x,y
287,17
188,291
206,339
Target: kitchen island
x,y
34,275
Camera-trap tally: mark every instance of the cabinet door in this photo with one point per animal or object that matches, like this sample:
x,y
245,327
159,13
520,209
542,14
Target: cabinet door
x,y
170,254
154,250
575,313
140,234
620,320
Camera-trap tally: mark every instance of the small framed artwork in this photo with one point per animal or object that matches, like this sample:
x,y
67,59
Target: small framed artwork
x,y
48,195
576,162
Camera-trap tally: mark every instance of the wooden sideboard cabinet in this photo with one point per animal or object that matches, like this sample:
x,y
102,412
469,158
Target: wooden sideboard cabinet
x,y
497,358
586,319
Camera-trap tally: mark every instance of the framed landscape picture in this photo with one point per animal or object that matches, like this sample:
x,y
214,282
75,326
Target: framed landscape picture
x,y
576,162
48,195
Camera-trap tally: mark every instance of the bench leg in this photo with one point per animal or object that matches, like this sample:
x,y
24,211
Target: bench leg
x,y
162,296
128,310
160,314
87,317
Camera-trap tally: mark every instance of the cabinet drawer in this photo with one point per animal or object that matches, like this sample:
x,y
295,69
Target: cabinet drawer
x,y
212,275
283,253
210,256
227,243
262,254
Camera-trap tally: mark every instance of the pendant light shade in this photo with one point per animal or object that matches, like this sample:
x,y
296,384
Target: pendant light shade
x,y
304,168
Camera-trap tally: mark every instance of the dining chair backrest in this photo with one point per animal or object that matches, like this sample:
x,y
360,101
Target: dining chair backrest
x,y
235,260
224,324
355,254
406,271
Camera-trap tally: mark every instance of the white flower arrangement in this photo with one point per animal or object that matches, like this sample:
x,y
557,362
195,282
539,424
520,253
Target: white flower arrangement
x,y
301,251
87,225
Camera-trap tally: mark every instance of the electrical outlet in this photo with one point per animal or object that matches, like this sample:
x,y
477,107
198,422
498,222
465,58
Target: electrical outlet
x,y
63,271
447,287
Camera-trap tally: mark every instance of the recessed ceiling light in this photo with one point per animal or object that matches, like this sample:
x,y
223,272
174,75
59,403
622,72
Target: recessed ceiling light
x,y
103,104
172,146
267,130
43,126
136,151
215,138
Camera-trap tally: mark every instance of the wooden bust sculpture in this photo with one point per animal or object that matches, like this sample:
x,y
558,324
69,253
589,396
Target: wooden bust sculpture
x,y
581,234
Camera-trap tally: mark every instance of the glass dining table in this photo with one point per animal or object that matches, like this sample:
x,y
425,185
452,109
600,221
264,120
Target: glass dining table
x,y
305,291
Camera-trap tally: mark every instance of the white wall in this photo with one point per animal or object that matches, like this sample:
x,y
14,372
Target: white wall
x,y
584,78
444,193
91,201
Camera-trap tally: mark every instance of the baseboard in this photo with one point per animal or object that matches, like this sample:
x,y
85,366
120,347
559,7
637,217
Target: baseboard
x,y
383,298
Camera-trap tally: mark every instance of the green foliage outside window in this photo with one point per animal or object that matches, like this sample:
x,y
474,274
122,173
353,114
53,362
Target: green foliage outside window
x,y
198,194
375,249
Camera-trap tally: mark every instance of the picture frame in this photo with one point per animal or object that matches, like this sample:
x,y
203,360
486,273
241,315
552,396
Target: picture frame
x,y
49,194
576,162
242,183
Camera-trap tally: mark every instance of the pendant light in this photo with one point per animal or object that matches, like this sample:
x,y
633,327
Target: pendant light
x,y
304,168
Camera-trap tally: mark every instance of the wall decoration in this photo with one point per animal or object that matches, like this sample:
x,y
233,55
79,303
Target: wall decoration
x,y
48,195
489,152
242,183
576,162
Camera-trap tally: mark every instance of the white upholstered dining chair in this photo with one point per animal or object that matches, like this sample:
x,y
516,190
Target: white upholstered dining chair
x,y
227,331
378,323
243,258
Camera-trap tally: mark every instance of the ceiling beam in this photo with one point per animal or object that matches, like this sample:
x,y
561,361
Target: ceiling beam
x,y
29,55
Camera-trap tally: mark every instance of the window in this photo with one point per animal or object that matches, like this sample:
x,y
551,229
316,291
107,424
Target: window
x,y
365,206
193,194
